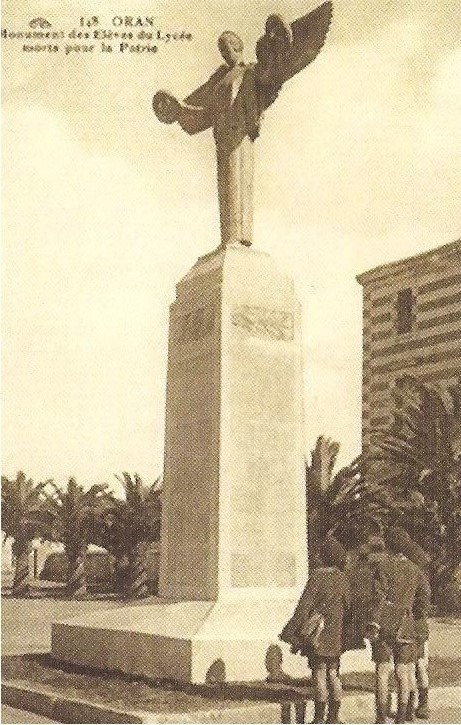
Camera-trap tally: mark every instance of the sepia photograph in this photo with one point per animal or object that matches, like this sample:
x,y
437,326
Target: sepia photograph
x,y
231,361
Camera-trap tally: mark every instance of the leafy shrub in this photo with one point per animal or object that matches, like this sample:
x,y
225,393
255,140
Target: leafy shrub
x,y
100,568
54,568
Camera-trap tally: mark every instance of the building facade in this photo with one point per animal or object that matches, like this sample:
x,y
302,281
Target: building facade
x,y
411,326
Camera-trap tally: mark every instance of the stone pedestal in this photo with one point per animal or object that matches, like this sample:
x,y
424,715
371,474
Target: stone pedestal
x,y
234,505
233,550
233,547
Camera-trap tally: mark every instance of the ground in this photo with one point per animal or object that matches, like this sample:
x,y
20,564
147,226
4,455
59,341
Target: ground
x,y
26,628
11,714
26,624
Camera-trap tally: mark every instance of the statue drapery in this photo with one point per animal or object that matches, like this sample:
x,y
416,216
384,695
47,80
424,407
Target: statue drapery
x,y
232,103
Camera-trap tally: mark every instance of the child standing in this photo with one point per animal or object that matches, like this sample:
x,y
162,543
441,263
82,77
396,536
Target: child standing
x,y
316,629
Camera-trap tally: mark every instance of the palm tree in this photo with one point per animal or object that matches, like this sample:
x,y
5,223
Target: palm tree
x,y
410,476
136,521
77,516
25,516
341,505
319,475
113,536
424,443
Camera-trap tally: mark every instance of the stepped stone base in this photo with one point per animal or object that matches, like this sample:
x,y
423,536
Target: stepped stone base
x,y
196,642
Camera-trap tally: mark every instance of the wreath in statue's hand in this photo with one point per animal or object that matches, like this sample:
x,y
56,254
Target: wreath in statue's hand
x,y
166,107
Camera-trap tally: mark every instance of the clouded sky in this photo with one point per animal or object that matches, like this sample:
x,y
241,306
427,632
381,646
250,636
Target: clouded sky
x,y
104,209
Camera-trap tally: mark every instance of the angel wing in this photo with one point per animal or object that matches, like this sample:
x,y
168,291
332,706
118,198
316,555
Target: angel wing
x,y
284,49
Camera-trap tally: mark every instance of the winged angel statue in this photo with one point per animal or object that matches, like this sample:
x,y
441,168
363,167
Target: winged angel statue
x,y
233,101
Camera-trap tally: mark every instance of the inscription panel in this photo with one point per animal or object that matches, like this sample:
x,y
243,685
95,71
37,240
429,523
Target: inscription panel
x,y
264,322
265,497
254,569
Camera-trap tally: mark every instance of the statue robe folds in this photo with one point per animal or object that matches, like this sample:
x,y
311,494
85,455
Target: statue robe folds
x,y
232,102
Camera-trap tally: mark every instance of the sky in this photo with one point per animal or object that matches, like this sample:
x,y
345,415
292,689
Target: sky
x,y
105,209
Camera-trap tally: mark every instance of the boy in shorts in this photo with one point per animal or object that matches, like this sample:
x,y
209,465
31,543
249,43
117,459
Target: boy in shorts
x,y
399,540
397,585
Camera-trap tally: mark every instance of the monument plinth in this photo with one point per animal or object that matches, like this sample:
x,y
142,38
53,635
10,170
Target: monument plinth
x,y
234,482
233,546
233,540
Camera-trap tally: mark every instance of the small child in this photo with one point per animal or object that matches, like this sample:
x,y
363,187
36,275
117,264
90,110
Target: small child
x,y
316,628
399,541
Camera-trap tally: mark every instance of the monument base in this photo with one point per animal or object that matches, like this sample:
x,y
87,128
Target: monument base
x,y
188,641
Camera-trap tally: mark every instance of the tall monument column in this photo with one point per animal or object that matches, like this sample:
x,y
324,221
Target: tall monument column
x,y
233,537
234,522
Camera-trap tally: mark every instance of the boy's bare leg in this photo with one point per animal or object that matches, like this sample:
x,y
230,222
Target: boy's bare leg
x,y
321,692
412,691
335,694
422,679
403,691
383,672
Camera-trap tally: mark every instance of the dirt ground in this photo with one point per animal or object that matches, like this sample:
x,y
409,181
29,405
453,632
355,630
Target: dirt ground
x,y
26,624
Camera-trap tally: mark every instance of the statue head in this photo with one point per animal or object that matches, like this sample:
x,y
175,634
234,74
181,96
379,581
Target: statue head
x,y
231,48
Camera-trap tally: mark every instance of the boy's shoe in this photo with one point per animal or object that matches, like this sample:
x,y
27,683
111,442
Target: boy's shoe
x,y
422,711
319,711
411,707
333,711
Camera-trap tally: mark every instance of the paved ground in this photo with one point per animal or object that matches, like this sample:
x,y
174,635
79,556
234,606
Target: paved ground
x,y
445,704
445,707
10,714
445,639
26,627
26,623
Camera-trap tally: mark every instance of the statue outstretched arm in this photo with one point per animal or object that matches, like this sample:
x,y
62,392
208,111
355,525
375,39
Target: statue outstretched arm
x,y
168,109
194,113
286,49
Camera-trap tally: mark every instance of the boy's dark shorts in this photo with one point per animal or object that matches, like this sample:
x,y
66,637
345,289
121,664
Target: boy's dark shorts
x,y
402,654
315,662
420,650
